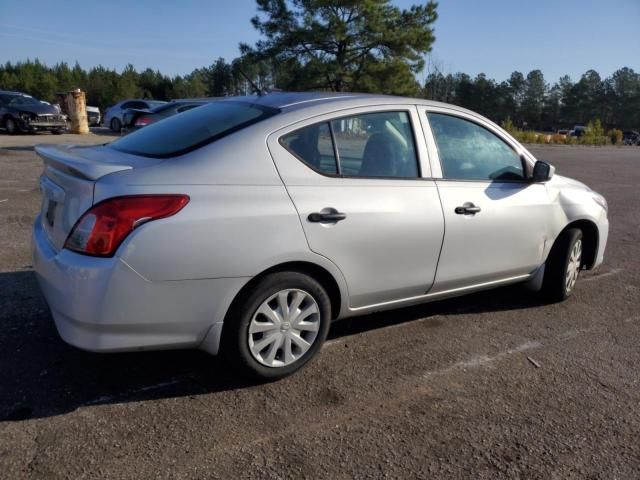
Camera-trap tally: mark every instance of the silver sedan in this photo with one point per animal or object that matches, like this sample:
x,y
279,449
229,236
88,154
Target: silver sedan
x,y
246,226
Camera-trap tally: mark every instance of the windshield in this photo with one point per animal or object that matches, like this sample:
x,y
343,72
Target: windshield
x,y
192,129
21,100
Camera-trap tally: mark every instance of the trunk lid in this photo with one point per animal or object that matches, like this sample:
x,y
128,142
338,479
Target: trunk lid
x,y
67,183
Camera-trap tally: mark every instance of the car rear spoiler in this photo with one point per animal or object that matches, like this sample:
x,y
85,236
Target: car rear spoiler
x,y
69,159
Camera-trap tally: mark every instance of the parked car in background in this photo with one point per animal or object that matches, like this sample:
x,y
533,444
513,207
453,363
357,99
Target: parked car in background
x,y
578,131
134,119
113,115
247,225
20,112
93,116
631,137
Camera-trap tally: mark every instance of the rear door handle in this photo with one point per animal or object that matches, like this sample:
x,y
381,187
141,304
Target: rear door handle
x,y
467,209
327,215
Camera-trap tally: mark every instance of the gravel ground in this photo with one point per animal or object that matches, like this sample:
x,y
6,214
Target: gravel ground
x,y
492,385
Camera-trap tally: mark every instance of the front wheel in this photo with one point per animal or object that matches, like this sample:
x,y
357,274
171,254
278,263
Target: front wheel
x,y
278,327
11,126
563,265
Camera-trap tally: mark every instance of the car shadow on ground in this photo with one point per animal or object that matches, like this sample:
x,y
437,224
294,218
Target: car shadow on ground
x,y
104,131
41,376
26,148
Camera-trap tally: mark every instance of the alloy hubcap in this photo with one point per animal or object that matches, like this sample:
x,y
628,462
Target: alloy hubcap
x,y
573,266
284,327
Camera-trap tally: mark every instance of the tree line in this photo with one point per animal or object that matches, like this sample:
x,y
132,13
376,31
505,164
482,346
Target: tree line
x,y
529,102
533,104
105,87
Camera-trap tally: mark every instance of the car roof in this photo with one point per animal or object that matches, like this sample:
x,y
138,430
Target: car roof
x,y
289,101
9,92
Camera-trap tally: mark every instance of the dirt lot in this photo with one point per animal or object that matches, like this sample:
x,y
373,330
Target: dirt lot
x,y
444,390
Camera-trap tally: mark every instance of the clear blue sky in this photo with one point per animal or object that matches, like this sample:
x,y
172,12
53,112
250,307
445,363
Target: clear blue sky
x,y
473,36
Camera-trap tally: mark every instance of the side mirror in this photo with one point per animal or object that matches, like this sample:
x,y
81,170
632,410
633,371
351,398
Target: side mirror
x,y
542,171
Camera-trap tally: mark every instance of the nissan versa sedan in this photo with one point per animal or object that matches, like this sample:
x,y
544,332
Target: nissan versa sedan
x,y
247,225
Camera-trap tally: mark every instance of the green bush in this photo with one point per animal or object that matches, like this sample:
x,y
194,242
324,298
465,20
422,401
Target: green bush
x,y
509,126
615,136
594,134
529,136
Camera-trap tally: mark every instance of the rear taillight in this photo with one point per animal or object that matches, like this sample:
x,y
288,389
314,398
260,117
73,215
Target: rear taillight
x,y
101,230
142,121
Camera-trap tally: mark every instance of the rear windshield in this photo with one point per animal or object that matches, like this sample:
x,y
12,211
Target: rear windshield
x,y
192,129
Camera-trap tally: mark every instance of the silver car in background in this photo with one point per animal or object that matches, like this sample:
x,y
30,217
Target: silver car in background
x,y
246,226
93,116
113,116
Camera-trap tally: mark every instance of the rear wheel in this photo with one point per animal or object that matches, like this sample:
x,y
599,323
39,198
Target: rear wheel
x,y
278,327
563,265
57,132
115,125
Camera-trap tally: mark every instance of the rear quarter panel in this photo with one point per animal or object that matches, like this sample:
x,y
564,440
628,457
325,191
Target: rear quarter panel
x,y
239,221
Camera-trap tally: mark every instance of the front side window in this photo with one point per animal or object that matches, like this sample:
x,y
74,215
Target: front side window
x,y
367,145
470,152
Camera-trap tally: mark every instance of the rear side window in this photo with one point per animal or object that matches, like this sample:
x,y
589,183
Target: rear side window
x,y
192,129
313,145
367,145
376,145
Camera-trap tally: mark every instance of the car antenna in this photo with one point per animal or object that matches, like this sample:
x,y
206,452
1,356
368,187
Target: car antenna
x,y
257,90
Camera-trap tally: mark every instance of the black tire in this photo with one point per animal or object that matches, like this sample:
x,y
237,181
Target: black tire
x,y
235,335
554,286
57,132
115,125
11,126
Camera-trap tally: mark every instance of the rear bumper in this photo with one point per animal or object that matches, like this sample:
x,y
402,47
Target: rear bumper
x,y
103,305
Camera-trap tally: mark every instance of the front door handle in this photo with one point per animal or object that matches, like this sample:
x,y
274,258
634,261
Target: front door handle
x,y
327,215
467,209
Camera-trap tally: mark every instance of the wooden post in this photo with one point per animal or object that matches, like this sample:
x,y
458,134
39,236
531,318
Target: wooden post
x,y
76,108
